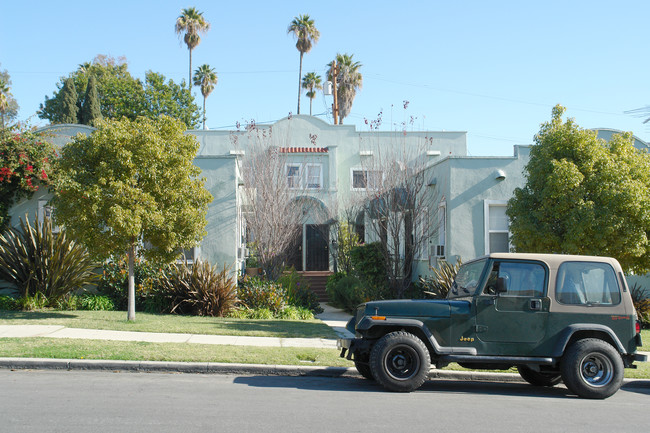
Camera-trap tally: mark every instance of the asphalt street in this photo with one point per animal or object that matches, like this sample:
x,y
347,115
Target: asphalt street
x,y
100,401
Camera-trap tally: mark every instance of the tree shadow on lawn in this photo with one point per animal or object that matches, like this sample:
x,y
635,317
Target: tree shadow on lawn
x,y
36,315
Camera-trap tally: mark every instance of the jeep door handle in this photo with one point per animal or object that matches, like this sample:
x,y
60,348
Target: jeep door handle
x,y
536,304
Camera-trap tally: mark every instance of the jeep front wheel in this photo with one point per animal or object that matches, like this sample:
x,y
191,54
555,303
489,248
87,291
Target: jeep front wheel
x,y
400,362
363,367
592,368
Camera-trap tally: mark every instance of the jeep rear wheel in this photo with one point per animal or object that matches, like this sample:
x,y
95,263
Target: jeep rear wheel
x,y
400,362
539,378
592,368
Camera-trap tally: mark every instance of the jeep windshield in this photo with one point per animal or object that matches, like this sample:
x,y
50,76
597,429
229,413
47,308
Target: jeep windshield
x,y
467,279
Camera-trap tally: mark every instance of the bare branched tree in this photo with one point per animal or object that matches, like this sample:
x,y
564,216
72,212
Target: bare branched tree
x,y
400,204
275,202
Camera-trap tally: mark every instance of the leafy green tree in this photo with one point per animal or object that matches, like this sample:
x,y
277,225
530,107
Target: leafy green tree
x,y
190,24
8,105
171,99
25,164
69,102
206,78
91,111
133,183
121,95
583,196
303,29
349,80
312,82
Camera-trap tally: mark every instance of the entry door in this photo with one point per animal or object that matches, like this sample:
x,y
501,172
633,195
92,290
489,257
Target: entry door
x,y
294,257
317,247
519,314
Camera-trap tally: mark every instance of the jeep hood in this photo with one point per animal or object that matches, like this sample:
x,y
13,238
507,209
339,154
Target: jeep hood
x,y
407,308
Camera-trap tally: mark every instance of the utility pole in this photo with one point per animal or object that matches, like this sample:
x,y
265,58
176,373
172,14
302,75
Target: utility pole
x,y
335,105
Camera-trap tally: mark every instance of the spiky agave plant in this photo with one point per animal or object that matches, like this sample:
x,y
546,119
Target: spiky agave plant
x,y
200,289
39,261
438,284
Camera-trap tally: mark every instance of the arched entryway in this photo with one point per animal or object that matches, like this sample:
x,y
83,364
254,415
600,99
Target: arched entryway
x,y
310,250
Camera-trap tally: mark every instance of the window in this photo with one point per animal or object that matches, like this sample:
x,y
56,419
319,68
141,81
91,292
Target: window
x,y
587,283
366,179
467,279
304,175
421,234
496,227
441,230
520,278
293,175
314,176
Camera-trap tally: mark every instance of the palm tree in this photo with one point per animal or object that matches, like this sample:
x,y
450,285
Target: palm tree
x,y
305,32
311,81
206,78
4,100
349,80
191,22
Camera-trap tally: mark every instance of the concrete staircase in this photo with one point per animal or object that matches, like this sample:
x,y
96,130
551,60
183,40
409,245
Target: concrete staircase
x,y
317,281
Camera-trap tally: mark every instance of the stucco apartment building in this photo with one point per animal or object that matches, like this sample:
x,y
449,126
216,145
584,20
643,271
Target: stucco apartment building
x,y
330,165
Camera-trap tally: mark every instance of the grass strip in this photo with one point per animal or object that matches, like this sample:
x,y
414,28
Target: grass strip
x,y
172,352
170,323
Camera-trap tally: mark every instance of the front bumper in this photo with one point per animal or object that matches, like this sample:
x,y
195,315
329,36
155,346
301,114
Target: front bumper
x,y
641,357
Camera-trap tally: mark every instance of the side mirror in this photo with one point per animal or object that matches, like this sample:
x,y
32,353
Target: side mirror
x,y
502,285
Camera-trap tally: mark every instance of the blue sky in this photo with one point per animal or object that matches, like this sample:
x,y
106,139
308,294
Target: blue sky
x,y
491,68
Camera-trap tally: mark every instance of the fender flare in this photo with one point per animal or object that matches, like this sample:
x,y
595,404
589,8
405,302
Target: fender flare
x,y
571,330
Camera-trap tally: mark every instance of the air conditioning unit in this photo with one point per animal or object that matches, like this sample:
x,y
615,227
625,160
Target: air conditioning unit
x,y
242,253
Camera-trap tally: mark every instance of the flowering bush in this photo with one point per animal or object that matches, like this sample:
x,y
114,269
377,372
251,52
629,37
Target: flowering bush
x,y
25,164
256,293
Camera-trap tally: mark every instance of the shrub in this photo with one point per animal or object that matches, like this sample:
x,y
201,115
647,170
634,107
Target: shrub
x,y
368,262
255,293
298,292
438,284
347,293
8,303
30,303
96,303
40,262
295,313
114,282
641,304
198,289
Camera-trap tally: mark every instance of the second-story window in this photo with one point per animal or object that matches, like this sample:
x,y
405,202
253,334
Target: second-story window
x,y
314,175
293,172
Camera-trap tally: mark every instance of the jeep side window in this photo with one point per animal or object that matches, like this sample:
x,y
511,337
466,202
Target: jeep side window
x,y
520,278
467,279
587,283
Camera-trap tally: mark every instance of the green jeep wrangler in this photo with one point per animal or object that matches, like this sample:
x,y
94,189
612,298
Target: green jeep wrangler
x,y
554,317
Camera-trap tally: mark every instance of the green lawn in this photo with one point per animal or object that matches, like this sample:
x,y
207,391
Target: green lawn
x,y
170,323
181,352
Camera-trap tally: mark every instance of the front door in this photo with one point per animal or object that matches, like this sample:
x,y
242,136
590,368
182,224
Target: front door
x,y
317,247
519,314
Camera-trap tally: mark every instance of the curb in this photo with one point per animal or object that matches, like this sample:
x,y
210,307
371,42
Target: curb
x,y
248,369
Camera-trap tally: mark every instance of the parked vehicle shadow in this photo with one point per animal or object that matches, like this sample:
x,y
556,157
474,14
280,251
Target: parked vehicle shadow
x,y
347,384
637,386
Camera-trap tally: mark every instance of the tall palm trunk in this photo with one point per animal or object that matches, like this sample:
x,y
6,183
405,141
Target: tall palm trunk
x,y
189,81
203,111
299,80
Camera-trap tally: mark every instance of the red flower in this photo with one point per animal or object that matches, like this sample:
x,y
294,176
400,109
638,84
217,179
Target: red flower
x,y
30,168
43,174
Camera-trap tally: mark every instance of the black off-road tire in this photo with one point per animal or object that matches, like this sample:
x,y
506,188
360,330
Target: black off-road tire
x,y
592,368
400,362
364,369
539,378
